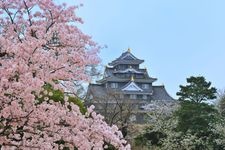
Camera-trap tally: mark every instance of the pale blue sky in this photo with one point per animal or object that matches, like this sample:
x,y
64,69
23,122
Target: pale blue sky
x,y
176,38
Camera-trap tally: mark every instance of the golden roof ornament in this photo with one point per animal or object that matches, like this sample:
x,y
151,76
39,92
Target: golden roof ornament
x,y
132,78
129,50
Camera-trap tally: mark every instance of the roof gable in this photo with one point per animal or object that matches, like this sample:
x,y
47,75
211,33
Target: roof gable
x,y
128,70
131,86
128,56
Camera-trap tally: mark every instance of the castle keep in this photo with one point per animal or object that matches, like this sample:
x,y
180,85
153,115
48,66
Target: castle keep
x,y
125,83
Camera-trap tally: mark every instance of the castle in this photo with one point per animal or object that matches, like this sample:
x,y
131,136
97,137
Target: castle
x,y
126,87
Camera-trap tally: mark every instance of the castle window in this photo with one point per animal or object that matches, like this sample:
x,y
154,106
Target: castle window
x,y
114,85
144,97
139,96
133,96
145,86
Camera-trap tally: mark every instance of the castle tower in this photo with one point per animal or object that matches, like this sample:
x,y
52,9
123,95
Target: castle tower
x,y
124,79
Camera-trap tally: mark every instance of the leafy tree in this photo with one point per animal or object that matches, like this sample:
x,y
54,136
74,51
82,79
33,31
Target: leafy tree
x,y
196,118
150,138
195,126
197,90
39,44
161,121
221,100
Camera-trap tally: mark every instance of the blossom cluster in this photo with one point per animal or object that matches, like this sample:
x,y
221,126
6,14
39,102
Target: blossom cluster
x,y
40,43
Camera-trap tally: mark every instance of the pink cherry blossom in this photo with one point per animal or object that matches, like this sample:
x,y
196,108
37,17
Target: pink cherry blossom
x,y
40,43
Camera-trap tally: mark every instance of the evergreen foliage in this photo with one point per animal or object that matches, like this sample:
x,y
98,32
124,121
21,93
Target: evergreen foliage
x,y
197,90
195,118
193,126
221,99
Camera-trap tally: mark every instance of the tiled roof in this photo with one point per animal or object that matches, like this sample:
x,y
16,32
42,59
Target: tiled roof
x,y
160,93
110,71
126,58
116,79
129,70
131,62
157,93
132,86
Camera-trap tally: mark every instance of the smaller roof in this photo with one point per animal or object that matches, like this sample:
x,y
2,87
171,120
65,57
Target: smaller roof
x,y
131,86
157,93
160,93
116,79
145,92
126,58
129,70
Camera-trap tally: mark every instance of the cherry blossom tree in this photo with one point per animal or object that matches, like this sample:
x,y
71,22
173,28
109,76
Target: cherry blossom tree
x,y
40,44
